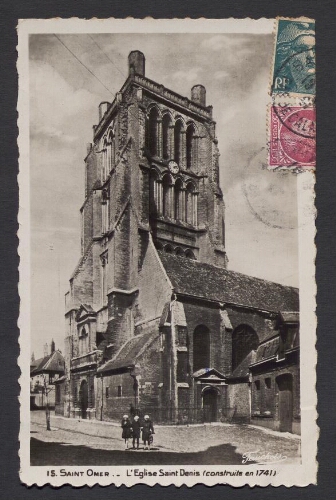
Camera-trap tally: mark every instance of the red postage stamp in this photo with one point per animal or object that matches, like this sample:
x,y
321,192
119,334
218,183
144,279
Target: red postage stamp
x,y
292,137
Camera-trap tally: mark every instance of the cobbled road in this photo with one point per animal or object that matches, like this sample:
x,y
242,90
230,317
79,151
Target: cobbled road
x,y
202,444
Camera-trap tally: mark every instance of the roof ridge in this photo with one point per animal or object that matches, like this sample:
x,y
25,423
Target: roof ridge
x,y
198,263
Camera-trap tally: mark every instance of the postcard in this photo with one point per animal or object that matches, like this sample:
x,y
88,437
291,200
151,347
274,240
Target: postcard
x,y
167,257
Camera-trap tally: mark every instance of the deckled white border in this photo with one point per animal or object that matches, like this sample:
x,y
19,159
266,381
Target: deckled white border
x,y
288,475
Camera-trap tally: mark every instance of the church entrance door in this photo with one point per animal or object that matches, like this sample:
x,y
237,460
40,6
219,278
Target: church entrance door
x,y
84,397
210,405
285,386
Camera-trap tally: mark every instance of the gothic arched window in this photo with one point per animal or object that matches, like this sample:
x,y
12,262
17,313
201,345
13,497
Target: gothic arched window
x,y
178,205
104,160
104,275
166,121
190,145
166,198
191,204
110,150
154,207
105,210
244,340
152,131
177,140
201,348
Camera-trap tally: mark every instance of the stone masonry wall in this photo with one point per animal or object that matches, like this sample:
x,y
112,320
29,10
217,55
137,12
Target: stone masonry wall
x,y
239,401
265,400
82,281
115,393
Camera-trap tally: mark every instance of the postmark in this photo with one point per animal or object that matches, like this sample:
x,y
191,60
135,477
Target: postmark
x,y
176,365
292,137
256,190
294,62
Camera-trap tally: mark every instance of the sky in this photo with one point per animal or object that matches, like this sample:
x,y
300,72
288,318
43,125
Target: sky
x,y
261,206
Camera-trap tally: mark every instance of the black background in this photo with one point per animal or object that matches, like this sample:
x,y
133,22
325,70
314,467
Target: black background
x,y
324,11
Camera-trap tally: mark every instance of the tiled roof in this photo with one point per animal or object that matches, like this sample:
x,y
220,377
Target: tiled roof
x,y
289,317
210,373
54,363
268,349
128,354
33,364
40,362
207,281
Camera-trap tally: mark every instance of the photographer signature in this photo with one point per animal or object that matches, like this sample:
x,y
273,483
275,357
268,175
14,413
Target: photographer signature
x,y
258,456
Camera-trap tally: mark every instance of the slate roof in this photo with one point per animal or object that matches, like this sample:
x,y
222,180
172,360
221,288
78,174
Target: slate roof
x,y
127,355
207,281
54,363
210,373
268,349
289,317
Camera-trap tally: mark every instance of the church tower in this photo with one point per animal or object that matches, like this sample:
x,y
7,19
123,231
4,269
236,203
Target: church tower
x,y
186,208
151,173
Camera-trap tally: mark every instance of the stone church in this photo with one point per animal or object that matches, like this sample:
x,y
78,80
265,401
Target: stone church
x,y
155,322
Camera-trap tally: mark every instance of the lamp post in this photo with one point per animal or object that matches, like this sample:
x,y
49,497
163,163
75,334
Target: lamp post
x,y
47,402
135,389
134,373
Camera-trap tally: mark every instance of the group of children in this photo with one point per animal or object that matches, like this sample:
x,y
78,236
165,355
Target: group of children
x,y
133,429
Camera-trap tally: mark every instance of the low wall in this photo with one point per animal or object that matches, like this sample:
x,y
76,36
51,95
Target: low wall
x,y
272,424
90,427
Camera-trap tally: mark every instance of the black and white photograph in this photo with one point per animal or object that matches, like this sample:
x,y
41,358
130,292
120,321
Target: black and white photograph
x,y
167,277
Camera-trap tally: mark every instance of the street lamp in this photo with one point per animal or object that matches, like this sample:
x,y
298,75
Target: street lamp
x,y
134,373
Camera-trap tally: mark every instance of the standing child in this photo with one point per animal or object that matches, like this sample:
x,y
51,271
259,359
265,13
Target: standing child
x,y
126,430
136,430
147,431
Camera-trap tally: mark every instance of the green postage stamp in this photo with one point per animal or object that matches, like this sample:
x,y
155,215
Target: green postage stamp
x,y
294,64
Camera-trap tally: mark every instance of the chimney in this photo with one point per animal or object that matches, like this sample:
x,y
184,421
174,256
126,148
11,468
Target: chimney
x,y
52,346
198,94
45,350
103,107
136,63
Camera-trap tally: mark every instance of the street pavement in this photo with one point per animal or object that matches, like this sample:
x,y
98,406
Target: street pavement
x,y
201,444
